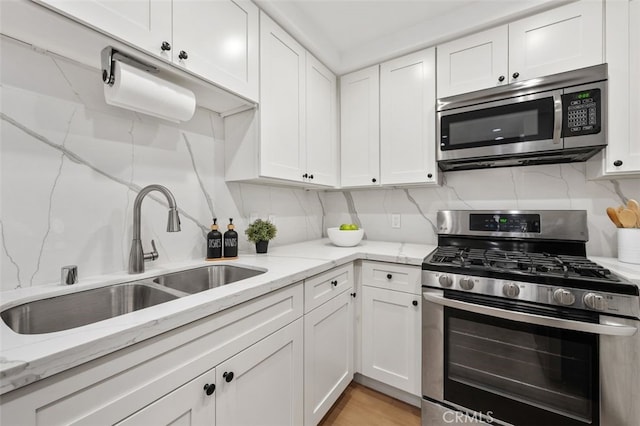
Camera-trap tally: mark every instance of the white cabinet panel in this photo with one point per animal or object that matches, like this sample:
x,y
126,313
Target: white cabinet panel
x,y
473,62
323,287
267,383
391,347
282,103
562,39
321,116
407,119
328,334
391,276
360,127
221,41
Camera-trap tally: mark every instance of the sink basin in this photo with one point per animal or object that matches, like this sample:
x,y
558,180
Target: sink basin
x,y
201,279
82,308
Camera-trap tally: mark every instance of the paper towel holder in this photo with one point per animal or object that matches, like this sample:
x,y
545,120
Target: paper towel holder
x,y
109,56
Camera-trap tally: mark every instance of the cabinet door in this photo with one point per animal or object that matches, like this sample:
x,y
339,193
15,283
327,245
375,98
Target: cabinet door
x,y
220,39
360,128
623,56
144,23
321,137
267,383
474,62
188,405
328,355
562,39
391,346
282,103
407,119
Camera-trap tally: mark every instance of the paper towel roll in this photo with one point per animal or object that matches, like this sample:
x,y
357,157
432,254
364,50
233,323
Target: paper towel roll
x,y
138,90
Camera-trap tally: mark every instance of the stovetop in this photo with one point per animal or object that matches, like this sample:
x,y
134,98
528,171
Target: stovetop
x,y
537,267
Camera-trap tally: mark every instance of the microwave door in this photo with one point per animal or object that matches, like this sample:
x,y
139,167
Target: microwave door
x,y
513,126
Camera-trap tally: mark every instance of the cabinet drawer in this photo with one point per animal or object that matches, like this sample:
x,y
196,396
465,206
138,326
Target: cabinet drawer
x,y
391,276
320,288
109,389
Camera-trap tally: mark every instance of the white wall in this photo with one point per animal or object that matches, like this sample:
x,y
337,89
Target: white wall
x,y
71,167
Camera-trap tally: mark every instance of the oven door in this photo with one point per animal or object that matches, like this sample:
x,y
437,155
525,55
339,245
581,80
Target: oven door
x,y
512,126
511,363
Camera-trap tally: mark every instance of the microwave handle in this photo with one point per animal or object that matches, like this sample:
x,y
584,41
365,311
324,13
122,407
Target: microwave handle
x,y
587,327
557,116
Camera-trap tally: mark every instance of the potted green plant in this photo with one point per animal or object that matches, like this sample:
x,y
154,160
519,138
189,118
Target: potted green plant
x,y
260,232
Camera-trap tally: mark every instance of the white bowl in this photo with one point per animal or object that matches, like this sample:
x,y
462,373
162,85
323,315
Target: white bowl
x,y
345,238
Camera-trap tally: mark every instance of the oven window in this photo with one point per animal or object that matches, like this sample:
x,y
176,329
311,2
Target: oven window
x,y
517,122
521,373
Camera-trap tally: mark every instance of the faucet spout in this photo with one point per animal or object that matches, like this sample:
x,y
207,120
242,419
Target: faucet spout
x,y
137,256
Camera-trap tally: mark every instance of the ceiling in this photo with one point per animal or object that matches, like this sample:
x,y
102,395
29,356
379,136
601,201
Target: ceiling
x,y
351,34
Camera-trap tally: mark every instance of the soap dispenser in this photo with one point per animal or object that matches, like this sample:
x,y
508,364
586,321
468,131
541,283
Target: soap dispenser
x,y
214,241
230,241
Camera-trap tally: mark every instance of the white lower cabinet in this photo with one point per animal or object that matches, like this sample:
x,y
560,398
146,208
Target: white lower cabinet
x,y
391,339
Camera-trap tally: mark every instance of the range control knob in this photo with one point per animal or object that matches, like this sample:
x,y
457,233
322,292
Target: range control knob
x,y
564,297
595,301
445,280
511,290
466,283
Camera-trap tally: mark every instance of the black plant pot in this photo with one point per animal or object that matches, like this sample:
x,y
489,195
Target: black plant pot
x,y
261,246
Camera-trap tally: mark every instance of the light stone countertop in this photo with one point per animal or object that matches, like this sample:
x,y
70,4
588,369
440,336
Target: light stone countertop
x,y
25,359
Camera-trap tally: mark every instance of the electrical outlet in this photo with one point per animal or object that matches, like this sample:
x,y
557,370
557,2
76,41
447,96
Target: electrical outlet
x,y
395,220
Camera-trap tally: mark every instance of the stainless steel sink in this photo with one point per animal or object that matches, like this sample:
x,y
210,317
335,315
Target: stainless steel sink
x,y
201,279
82,308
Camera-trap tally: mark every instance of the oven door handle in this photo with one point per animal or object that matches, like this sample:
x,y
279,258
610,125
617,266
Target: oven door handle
x,y
587,327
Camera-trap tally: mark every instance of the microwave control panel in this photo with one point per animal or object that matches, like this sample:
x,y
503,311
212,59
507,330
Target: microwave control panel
x,y
582,113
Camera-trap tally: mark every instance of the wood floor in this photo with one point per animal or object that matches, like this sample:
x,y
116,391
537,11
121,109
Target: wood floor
x,y
360,405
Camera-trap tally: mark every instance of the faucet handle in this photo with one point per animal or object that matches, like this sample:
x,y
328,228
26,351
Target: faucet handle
x,y
153,255
69,275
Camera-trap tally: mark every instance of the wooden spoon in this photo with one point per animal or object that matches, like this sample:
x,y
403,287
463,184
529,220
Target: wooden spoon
x,y
628,218
613,215
633,205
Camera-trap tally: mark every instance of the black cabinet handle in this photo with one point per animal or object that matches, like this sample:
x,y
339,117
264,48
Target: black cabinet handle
x,y
516,75
228,376
429,175
617,163
165,46
501,78
334,283
389,276
414,303
353,295
374,180
209,388
306,175
310,176
183,55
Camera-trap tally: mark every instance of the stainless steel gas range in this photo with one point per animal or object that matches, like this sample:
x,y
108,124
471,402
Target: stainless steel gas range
x,y
520,327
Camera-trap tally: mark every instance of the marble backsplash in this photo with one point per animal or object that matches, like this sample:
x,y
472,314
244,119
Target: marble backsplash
x,y
71,167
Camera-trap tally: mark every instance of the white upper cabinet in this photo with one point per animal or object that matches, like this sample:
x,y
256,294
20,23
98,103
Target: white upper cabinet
x,y
282,103
473,62
217,40
321,116
562,39
360,128
622,155
407,119
220,39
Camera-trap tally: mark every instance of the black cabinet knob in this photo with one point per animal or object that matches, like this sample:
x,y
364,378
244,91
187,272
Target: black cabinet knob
x,y
414,303
353,295
429,175
334,283
389,276
516,75
501,78
165,46
228,376
306,175
617,163
209,389
374,180
183,55
310,176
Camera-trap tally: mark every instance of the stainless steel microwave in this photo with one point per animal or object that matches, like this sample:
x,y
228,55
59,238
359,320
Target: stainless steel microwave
x,y
555,119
